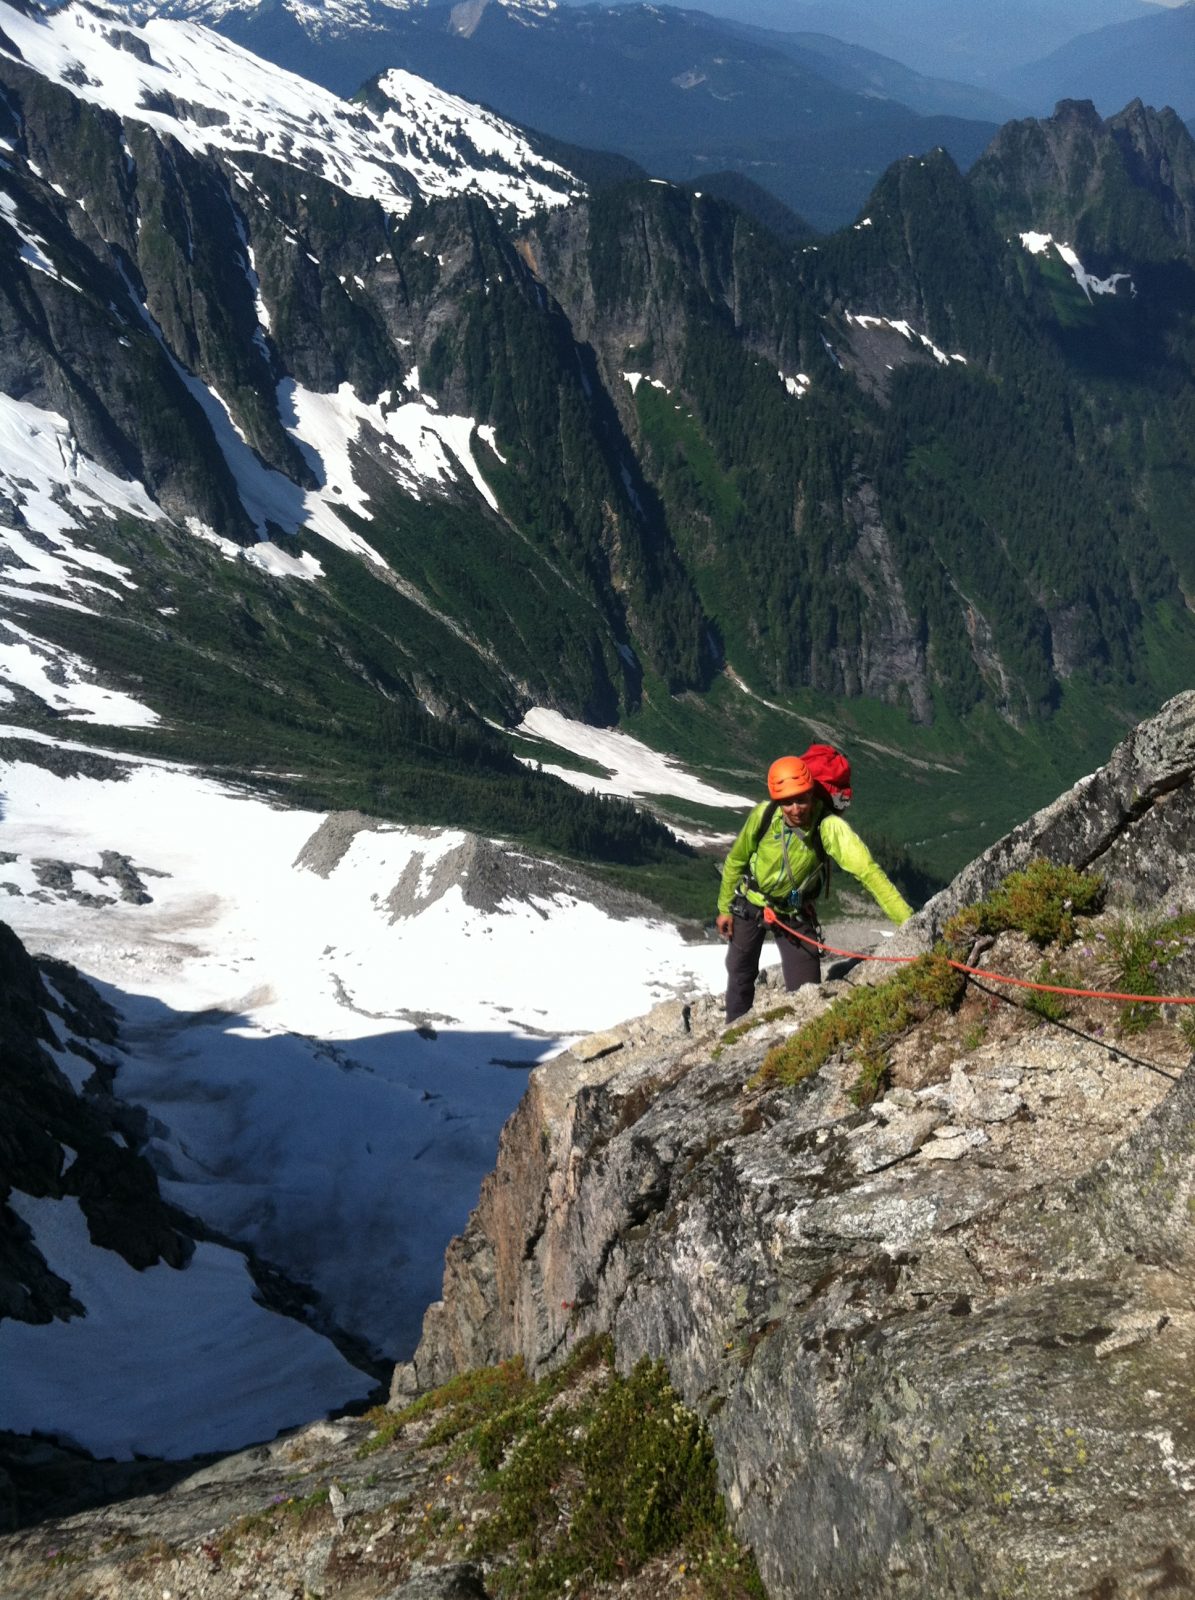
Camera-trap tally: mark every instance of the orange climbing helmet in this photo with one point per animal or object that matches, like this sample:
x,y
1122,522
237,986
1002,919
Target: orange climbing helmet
x,y
788,777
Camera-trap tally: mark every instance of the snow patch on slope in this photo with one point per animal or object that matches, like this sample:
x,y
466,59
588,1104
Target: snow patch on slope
x,y
325,18
152,1367
906,331
423,448
632,768
33,246
1039,243
45,475
62,681
636,378
437,133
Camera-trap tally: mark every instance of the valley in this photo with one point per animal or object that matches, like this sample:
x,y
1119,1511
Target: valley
x,y
419,531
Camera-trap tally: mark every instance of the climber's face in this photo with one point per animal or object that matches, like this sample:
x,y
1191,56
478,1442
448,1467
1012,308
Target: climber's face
x,y
798,809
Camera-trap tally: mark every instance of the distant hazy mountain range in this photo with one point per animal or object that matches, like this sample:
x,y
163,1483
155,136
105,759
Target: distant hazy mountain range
x,y
685,94
968,39
1152,57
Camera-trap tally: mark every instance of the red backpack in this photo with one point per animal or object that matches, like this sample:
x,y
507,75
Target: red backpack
x,y
831,772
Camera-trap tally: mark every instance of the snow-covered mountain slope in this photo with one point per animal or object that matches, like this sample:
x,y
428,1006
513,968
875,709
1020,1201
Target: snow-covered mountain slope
x,y
680,92
326,1019
186,81
331,19
328,18
59,491
150,1366
222,247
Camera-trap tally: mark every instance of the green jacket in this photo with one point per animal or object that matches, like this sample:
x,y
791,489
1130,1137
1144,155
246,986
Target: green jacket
x,y
785,877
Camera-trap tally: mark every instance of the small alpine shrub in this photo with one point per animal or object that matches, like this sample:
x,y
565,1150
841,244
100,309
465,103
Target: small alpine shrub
x,y
1041,901
866,1022
593,1488
465,1401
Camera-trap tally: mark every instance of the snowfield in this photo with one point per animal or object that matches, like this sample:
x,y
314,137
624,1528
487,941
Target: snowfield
x,y
328,1036
632,768
146,1370
1041,243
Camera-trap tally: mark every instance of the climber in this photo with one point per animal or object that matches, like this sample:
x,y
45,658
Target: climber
x,y
782,859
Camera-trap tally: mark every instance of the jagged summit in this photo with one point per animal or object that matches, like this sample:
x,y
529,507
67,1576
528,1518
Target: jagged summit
x,y
1119,185
212,95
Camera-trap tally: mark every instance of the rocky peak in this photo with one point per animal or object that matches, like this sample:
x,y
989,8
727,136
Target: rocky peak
x,y
1160,156
1120,185
1132,821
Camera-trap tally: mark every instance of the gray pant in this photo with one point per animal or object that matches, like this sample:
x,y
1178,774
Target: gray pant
x,y
799,962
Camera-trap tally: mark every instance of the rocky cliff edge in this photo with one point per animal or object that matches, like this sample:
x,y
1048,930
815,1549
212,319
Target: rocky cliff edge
x,y
943,1344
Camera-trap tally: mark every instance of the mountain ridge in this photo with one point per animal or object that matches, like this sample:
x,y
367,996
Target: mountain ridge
x,y
713,452
676,90
1150,57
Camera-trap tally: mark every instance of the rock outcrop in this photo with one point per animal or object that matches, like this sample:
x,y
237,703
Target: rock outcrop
x,y
943,1346
490,875
1133,822
58,1140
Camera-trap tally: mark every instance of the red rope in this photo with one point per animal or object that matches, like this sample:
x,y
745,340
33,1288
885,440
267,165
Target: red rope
x,y
770,917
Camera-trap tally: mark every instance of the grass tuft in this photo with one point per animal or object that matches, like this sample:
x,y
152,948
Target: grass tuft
x,y
866,1022
1142,952
739,1030
1049,1007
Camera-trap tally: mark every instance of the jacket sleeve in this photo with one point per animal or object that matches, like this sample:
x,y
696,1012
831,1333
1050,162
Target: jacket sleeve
x,y
853,856
737,861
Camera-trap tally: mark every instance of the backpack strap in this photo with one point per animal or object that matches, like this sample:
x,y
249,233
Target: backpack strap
x,y
815,841
823,862
765,822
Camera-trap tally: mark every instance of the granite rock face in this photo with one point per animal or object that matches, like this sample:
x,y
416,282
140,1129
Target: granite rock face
x,y
1133,822
944,1346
